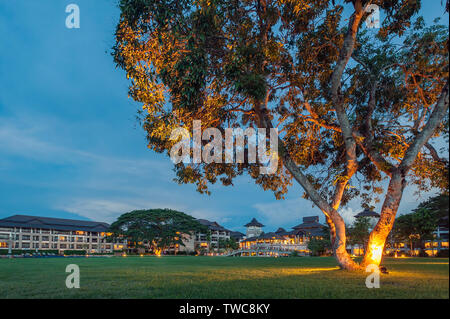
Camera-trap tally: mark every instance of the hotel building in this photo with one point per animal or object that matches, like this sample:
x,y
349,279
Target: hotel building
x,y
209,241
35,233
280,242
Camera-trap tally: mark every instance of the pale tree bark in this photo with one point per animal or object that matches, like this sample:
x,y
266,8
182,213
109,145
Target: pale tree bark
x,y
375,245
377,238
333,218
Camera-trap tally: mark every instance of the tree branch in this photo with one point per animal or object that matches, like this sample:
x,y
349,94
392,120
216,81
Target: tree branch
x,y
422,138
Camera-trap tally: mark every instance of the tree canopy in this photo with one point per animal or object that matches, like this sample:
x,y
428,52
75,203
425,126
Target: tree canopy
x,y
157,229
419,225
354,108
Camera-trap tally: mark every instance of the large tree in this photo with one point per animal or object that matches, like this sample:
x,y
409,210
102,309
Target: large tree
x,y
157,229
355,110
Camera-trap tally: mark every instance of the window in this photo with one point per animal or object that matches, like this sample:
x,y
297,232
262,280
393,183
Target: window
x,y
45,238
25,245
63,246
25,237
36,238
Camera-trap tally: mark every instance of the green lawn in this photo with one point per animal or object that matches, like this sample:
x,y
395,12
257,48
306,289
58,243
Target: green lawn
x,y
219,277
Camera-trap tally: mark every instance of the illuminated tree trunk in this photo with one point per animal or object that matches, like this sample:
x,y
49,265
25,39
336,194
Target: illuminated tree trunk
x,y
378,236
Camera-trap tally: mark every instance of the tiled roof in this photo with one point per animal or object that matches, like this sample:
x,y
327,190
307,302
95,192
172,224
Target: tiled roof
x,y
212,225
26,221
309,222
367,213
236,234
254,222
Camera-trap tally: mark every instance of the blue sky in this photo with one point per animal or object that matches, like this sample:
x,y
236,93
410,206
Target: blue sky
x,y
70,146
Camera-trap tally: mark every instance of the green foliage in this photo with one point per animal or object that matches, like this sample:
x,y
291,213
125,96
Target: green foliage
x,y
236,63
228,244
358,233
319,247
419,225
74,252
155,228
29,251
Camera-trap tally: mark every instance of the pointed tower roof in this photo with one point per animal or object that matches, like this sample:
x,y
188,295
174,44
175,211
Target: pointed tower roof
x,y
367,213
255,223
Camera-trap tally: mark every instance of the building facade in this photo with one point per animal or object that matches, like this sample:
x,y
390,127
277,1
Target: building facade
x,y
39,234
253,228
281,242
210,241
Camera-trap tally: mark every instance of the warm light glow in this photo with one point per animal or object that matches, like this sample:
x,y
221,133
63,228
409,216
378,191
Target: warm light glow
x,y
157,252
376,251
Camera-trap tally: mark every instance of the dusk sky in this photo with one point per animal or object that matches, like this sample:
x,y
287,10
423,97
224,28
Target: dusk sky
x,y
70,145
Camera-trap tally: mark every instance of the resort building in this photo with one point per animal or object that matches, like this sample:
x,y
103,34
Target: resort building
x,y
208,241
211,240
370,215
37,234
280,242
237,236
254,228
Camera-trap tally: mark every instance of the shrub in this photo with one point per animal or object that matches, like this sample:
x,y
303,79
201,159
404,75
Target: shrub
x,y
74,252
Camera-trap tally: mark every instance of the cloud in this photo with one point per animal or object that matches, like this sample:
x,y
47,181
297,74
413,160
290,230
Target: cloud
x,y
35,142
107,210
286,213
348,214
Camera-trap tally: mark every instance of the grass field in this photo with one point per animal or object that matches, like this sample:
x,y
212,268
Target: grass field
x,y
219,277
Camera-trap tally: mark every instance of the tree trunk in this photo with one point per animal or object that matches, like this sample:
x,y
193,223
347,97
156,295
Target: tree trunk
x,y
378,236
339,247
